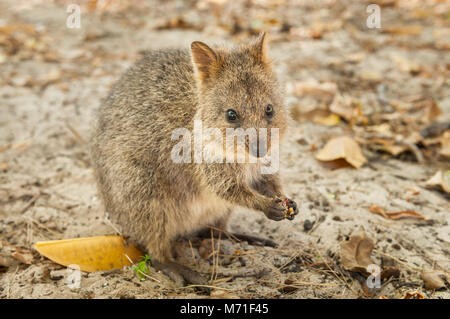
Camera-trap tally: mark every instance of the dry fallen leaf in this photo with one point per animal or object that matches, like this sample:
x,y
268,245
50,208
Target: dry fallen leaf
x,y
406,65
314,88
445,144
432,110
433,279
355,253
440,180
394,149
390,272
388,145
51,77
175,23
413,138
395,215
435,129
11,255
342,147
91,253
329,120
445,151
404,30
318,116
384,129
343,106
408,295
413,295
371,76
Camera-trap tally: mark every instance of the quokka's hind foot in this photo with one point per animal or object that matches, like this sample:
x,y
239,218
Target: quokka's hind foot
x,y
182,275
252,240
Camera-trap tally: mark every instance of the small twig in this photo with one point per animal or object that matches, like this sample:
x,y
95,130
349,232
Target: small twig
x,y
334,273
299,284
30,203
316,224
213,255
292,258
228,234
75,133
5,147
118,291
192,251
29,239
10,281
55,207
235,273
415,150
217,256
42,226
113,226
409,284
398,260
224,279
209,286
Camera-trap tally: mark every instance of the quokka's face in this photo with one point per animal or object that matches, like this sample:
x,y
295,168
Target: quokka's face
x,y
239,91
247,101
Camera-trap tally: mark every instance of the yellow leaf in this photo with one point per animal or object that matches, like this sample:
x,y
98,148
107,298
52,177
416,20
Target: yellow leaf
x,y
329,120
342,147
91,253
371,75
404,30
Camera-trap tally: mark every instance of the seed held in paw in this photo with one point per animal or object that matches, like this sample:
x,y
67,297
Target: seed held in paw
x,y
289,210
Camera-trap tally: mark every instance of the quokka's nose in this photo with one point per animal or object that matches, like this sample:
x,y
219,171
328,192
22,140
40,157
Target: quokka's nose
x,y
258,149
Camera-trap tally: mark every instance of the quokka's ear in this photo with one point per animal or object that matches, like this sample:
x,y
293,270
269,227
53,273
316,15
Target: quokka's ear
x,y
206,61
259,49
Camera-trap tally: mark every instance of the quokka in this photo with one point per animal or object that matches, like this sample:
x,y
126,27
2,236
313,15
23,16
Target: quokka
x,y
155,200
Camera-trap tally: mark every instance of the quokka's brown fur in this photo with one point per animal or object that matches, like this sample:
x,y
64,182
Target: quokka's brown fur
x,y
155,200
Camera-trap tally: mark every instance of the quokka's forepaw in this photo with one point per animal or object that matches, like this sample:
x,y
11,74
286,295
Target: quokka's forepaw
x,y
276,210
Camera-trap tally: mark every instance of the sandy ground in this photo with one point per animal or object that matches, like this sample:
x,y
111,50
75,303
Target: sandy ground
x,y
47,189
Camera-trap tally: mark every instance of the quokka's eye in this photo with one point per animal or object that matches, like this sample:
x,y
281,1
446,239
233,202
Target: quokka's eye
x,y
232,116
269,110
